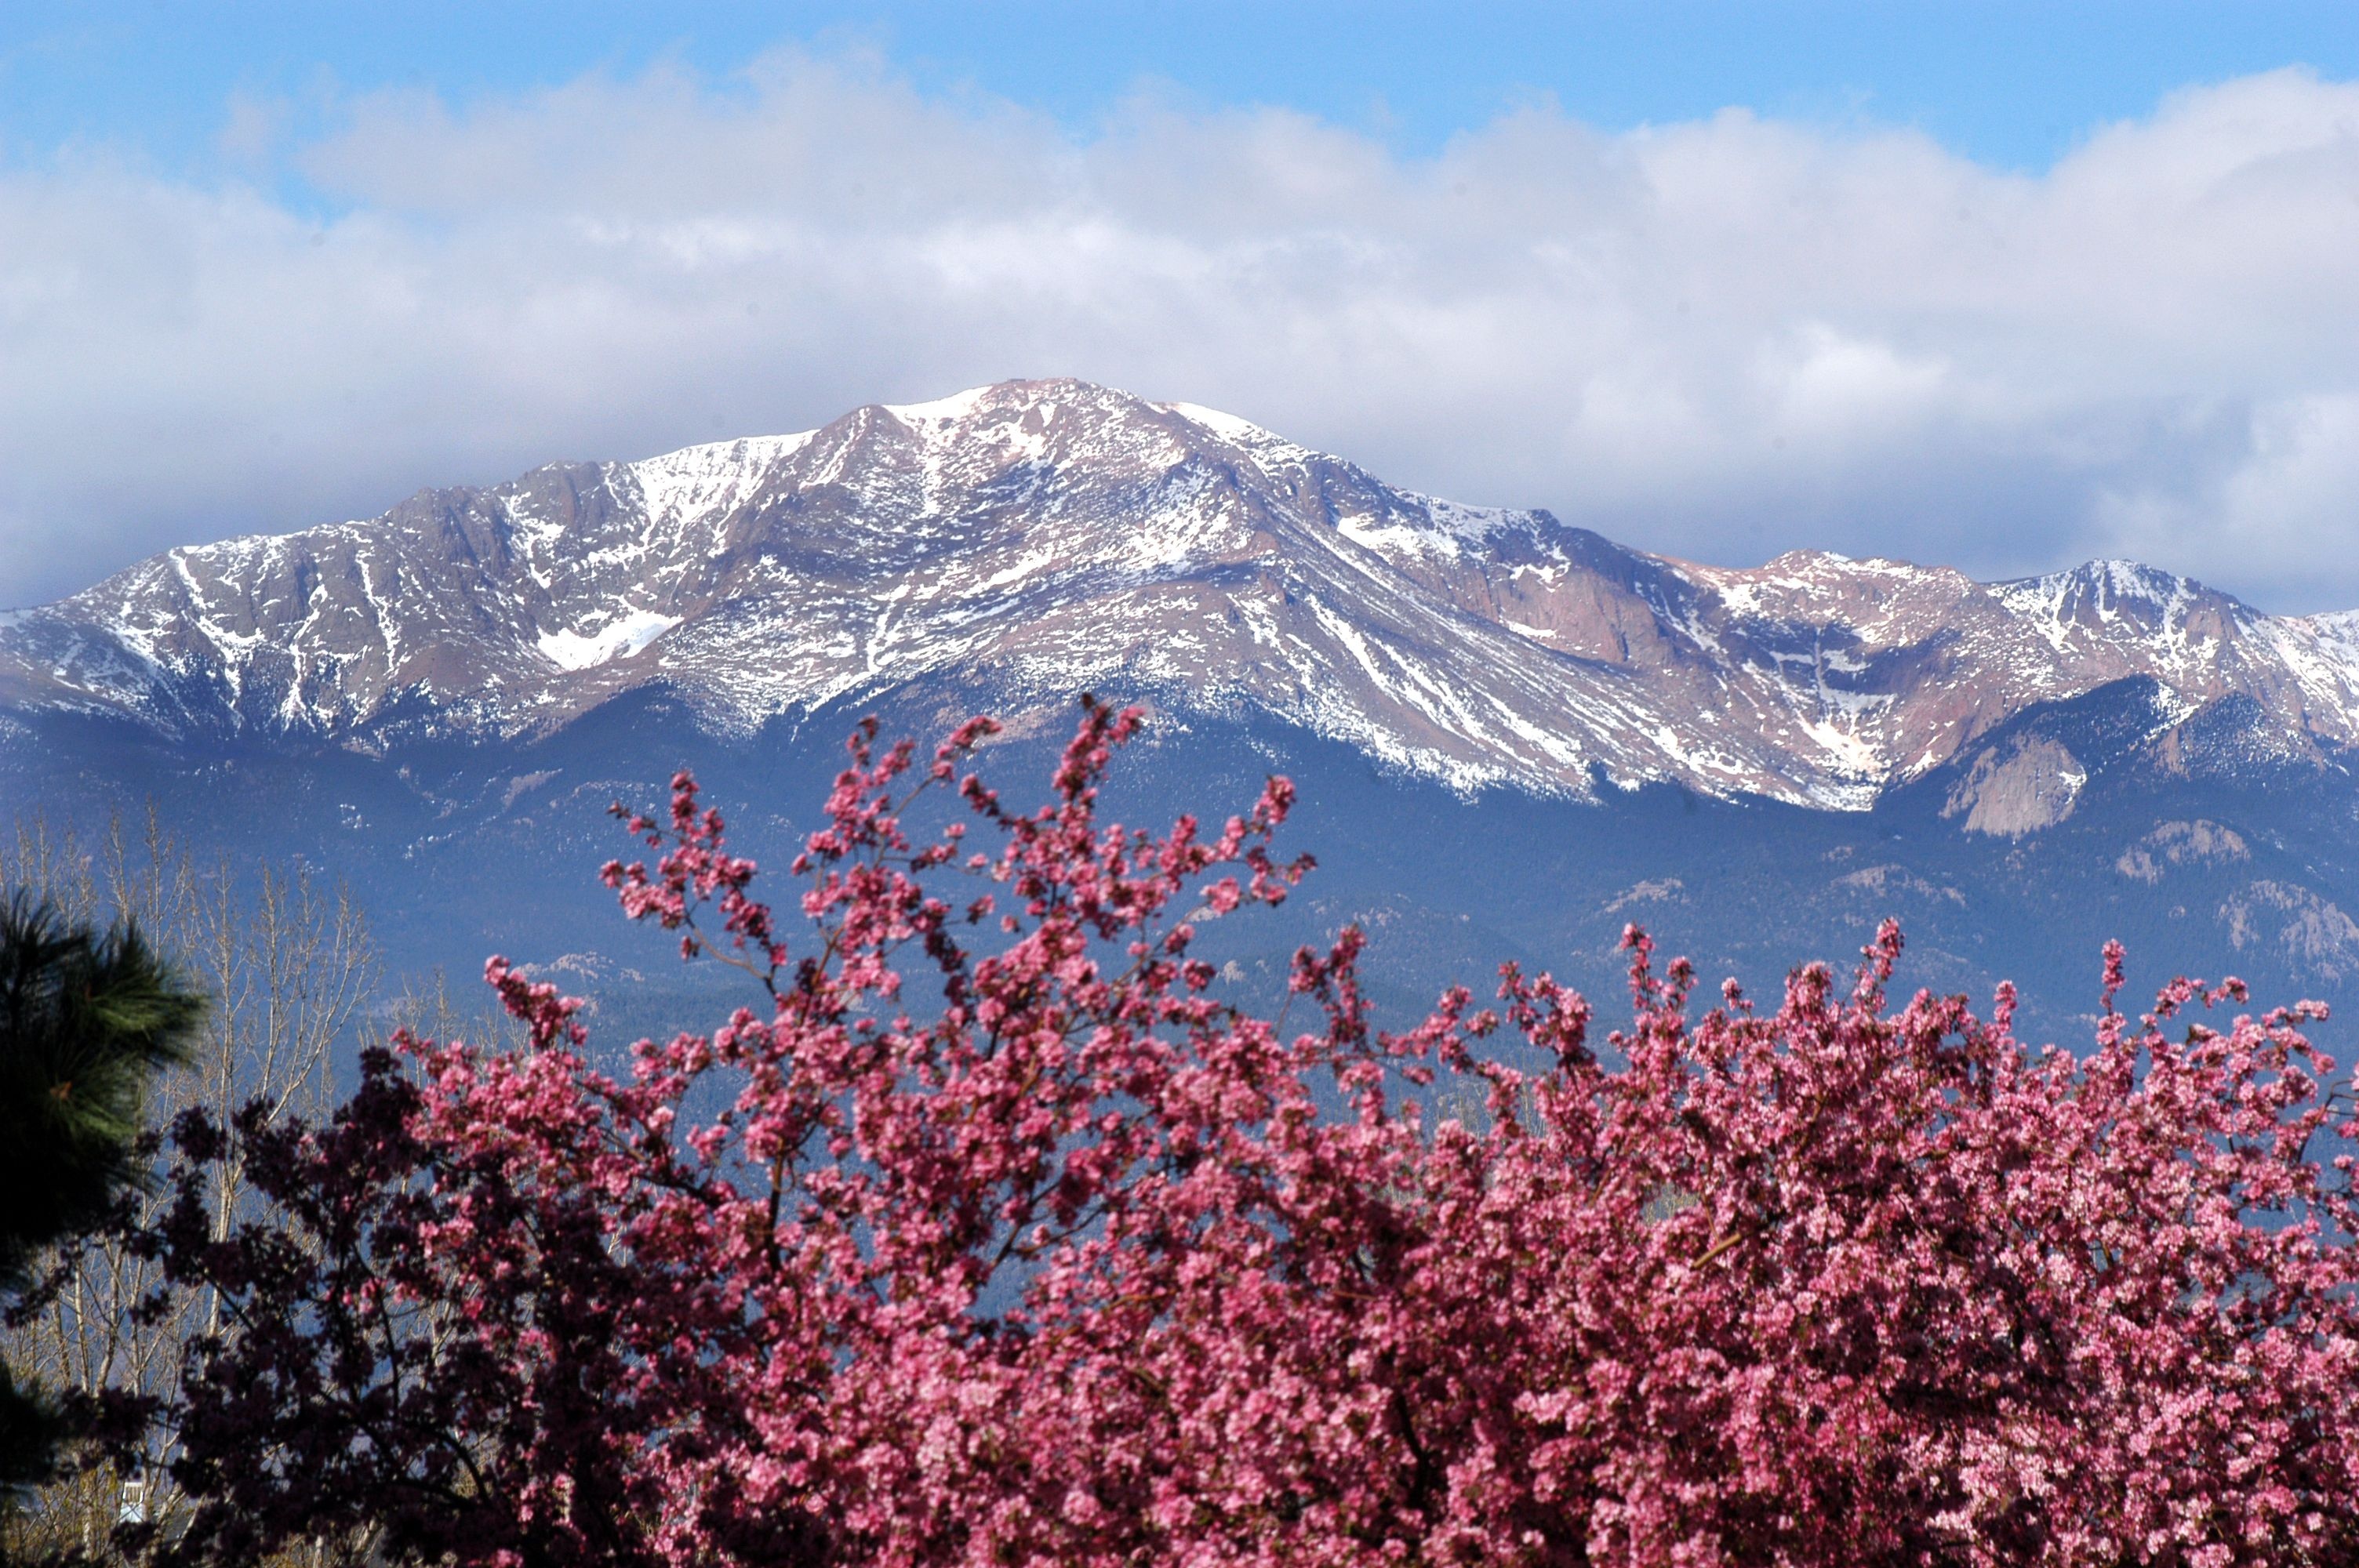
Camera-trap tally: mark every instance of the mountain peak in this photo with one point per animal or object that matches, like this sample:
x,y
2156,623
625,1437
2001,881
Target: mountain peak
x,y
1030,538
2113,579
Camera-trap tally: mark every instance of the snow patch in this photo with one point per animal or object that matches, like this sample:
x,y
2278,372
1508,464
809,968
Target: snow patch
x,y
1227,427
957,405
701,484
580,651
1446,530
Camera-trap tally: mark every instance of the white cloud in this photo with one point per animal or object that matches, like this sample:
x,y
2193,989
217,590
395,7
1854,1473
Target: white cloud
x,y
1721,338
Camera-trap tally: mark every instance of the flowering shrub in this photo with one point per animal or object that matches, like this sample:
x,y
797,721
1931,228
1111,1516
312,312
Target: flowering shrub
x,y
996,1234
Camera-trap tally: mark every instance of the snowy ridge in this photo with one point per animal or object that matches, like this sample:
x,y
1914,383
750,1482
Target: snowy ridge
x,y
698,484
1042,538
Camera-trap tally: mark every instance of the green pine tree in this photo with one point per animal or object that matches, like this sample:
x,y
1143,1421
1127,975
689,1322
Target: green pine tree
x,y
87,1019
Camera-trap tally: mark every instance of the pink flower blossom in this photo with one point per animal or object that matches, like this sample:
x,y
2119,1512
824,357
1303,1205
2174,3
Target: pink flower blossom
x,y
996,1234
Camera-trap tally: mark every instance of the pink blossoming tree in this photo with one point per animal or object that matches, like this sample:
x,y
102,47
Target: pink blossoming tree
x,y
993,1235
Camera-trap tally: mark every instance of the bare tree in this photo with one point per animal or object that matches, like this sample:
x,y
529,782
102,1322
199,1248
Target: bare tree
x,y
290,967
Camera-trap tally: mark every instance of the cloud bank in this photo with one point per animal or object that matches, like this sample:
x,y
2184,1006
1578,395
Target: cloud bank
x,y
1719,339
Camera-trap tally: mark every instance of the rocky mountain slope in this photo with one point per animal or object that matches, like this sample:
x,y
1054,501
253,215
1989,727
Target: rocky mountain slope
x,y
1034,539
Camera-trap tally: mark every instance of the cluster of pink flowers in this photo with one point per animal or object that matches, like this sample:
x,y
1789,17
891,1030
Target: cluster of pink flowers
x,y
995,1235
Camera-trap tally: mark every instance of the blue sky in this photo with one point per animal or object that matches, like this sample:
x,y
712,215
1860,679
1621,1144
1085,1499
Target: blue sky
x,y
2003,286
2003,82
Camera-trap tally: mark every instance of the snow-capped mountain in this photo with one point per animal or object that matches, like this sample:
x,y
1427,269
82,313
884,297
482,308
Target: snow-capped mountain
x,y
1036,538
